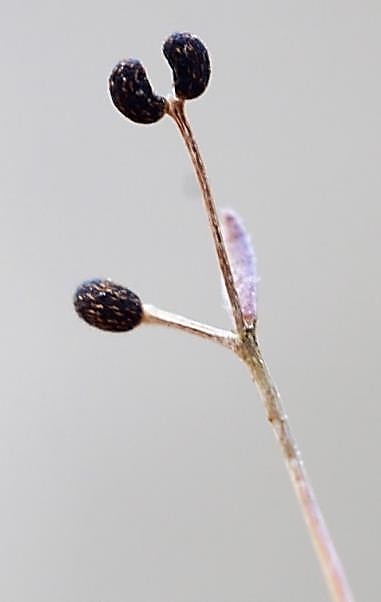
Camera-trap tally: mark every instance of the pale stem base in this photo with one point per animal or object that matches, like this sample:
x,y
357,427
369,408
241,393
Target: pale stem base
x,y
329,560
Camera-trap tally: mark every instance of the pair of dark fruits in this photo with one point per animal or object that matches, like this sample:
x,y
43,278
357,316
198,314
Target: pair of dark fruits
x,y
103,303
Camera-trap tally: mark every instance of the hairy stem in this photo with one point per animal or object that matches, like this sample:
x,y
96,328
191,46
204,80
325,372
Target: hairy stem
x,y
329,560
153,315
176,111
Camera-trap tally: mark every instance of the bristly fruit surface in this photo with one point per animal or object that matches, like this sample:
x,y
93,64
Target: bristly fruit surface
x,y
132,93
189,61
108,306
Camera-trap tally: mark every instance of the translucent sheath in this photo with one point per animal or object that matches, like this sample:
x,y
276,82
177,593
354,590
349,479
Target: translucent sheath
x,y
243,263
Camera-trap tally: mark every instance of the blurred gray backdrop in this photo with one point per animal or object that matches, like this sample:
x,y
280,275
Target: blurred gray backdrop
x,y
140,467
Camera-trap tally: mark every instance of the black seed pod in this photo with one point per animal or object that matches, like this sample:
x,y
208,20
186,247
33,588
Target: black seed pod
x,y
132,94
108,306
189,61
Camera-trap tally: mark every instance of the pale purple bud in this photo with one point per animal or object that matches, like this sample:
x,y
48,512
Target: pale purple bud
x,y
243,263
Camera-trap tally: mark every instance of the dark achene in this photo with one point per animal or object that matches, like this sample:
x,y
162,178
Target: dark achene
x,y
189,61
108,306
132,93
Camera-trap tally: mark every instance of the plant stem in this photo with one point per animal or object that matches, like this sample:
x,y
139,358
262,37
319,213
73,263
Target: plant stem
x,y
246,346
153,315
330,563
176,111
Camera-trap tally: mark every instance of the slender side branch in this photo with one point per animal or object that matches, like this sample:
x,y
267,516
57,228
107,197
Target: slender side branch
x,y
176,111
329,560
153,315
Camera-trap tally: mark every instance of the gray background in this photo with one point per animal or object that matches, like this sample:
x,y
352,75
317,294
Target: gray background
x,y
140,467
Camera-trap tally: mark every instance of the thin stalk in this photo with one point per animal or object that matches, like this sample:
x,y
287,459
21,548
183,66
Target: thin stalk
x,y
153,315
176,111
246,346
329,560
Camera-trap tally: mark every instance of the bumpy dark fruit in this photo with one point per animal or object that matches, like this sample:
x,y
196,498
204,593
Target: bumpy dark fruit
x,y
108,306
189,61
132,94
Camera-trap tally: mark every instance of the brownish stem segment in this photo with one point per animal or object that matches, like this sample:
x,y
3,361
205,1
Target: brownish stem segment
x,y
176,111
329,560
